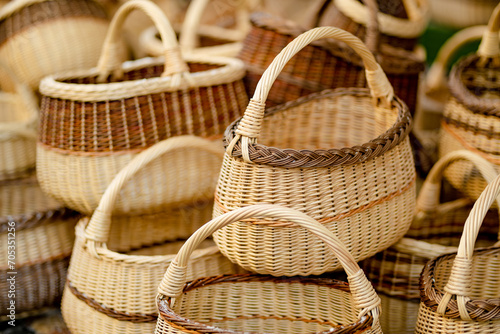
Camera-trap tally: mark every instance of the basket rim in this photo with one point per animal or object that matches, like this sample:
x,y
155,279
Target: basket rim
x,y
364,323
304,158
231,70
478,105
478,309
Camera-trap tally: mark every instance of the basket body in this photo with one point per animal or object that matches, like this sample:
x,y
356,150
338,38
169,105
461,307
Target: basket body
x,y
461,13
35,32
342,196
43,234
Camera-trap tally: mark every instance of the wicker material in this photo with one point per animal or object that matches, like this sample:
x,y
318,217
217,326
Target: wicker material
x,y
42,37
18,123
43,234
90,130
471,117
461,292
435,230
128,254
265,304
333,155
461,13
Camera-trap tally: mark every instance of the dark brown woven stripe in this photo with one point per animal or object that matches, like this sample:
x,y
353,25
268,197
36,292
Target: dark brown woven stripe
x,y
120,316
192,326
490,134
35,219
468,86
291,158
41,12
478,309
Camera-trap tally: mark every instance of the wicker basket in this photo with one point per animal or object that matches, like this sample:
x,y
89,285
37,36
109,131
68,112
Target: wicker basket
x,y
368,175
119,261
461,13
38,258
472,116
460,292
208,40
435,230
42,37
18,123
265,304
90,130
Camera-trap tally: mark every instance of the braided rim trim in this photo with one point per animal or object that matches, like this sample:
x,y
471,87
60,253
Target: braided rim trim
x,y
118,315
181,323
478,105
292,158
478,309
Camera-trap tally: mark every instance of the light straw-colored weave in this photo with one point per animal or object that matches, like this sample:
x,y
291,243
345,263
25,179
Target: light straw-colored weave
x,y
18,123
471,118
265,304
90,130
363,190
461,292
118,261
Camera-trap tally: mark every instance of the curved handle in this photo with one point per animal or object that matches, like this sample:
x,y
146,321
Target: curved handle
x,y
461,273
109,62
489,47
365,297
436,76
98,228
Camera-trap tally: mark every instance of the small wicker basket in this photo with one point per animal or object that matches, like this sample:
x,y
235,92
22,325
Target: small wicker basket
x,y
471,118
37,235
95,121
118,261
460,292
264,304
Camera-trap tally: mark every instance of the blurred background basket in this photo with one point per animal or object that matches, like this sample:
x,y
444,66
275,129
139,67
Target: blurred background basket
x,y
461,13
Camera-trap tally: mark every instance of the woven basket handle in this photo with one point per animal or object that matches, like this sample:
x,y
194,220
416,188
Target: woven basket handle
x,y
459,282
109,62
97,231
365,297
436,76
489,47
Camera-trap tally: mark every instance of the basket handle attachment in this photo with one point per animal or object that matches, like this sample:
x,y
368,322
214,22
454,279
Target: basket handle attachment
x,y
97,231
110,63
249,127
490,44
365,298
459,282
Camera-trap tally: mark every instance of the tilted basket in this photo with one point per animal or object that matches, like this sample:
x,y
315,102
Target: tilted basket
x,y
461,13
435,230
43,37
471,117
18,124
37,236
341,156
460,292
118,261
265,304
95,121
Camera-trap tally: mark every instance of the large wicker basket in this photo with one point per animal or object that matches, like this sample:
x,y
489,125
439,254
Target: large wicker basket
x,y
472,115
95,121
435,230
341,156
460,292
43,37
266,304
37,236
18,123
118,261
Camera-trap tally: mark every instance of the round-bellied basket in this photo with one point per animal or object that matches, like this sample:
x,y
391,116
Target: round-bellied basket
x,y
461,13
341,156
460,292
265,304
118,261
95,121
18,123
471,117
435,230
43,37
37,236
